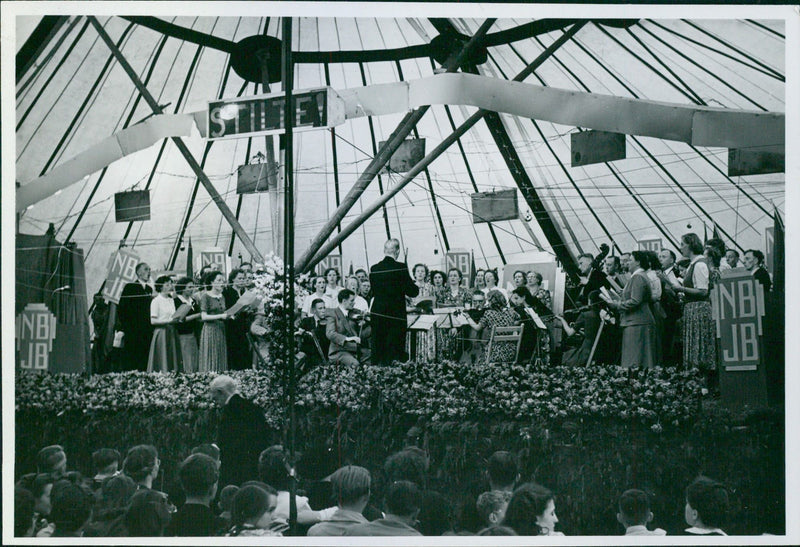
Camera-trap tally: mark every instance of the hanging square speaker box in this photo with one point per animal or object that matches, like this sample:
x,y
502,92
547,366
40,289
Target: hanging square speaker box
x,y
492,206
755,161
408,154
132,206
252,178
596,147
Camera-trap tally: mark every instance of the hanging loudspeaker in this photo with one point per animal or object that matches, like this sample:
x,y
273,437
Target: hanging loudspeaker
x,y
408,154
756,161
252,178
596,147
132,206
491,206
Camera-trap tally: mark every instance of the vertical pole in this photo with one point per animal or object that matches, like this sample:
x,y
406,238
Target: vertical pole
x,y
288,255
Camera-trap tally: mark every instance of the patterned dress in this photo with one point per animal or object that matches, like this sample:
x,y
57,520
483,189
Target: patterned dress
x,y
213,352
502,352
699,343
446,299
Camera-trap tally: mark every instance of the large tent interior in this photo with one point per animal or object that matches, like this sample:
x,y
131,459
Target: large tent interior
x,y
72,94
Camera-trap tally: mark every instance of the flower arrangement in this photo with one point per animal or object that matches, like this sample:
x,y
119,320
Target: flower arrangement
x,y
437,392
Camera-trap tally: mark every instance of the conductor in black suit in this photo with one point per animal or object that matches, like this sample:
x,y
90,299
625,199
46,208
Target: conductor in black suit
x,y
241,435
391,283
134,319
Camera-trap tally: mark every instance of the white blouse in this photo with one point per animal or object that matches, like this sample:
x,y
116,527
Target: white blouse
x,y
162,308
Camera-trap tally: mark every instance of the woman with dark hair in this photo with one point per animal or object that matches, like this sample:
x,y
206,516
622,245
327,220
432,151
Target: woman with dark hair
x,y
186,327
149,514
112,502
420,274
535,288
497,314
332,289
437,280
252,509
40,485
707,507
213,350
491,279
532,511
453,295
142,465
165,353
699,344
636,319
652,270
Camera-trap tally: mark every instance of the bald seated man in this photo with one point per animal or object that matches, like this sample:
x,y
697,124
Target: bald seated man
x,y
242,432
391,283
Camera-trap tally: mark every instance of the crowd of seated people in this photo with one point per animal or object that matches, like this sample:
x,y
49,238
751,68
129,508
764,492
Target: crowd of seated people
x,y
55,502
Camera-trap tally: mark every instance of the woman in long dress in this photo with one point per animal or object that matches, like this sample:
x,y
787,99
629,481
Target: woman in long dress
x,y
699,349
187,325
213,351
165,353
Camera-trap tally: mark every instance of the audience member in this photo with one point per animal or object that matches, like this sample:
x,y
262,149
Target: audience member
x,y
112,502
106,464
252,511
707,506
532,511
40,485
72,508
634,514
142,465
198,476
148,514
351,489
52,460
435,514
274,469
497,531
410,464
23,512
224,505
402,508
492,506
502,471
210,450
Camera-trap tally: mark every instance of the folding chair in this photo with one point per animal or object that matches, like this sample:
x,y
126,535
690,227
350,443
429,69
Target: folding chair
x,y
504,334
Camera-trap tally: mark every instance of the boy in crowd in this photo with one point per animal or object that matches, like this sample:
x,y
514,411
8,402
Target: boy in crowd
x,y
492,506
198,475
106,464
351,488
634,514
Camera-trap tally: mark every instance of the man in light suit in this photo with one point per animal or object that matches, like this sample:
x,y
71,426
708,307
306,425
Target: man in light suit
x,y
343,333
391,283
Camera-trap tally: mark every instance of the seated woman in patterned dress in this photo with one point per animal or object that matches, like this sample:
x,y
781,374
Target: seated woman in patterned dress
x,y
497,315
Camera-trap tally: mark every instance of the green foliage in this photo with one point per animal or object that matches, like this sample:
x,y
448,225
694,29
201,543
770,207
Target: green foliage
x,y
587,433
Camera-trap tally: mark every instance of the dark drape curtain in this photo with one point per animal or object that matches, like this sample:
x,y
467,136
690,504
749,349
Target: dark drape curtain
x,y
51,273
775,335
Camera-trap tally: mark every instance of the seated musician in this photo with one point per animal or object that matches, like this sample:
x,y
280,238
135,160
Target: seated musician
x,y
585,329
344,330
312,329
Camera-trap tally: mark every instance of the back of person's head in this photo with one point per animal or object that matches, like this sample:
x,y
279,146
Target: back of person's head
x,y
717,244
251,502
52,459
634,508
528,502
435,514
23,512
350,484
148,515
403,499
106,460
409,464
492,506
502,469
198,475
521,291
140,461
114,496
710,500
72,506
210,450
36,483
683,263
273,467
497,531
226,497
652,260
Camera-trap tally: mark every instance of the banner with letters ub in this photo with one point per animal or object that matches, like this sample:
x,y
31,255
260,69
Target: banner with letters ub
x,y
737,307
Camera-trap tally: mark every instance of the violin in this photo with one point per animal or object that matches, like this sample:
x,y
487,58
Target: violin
x,y
357,316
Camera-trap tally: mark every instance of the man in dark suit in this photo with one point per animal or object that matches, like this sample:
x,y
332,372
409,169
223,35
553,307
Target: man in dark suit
x,y
754,261
346,346
134,319
241,435
391,283
312,331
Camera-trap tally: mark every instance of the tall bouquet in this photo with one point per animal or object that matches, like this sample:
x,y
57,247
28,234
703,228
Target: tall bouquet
x,y
269,284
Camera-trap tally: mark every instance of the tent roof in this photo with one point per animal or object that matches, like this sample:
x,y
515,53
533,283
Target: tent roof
x,y
76,95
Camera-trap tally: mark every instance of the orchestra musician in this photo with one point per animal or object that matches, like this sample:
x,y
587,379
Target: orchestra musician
x,y
344,330
314,341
